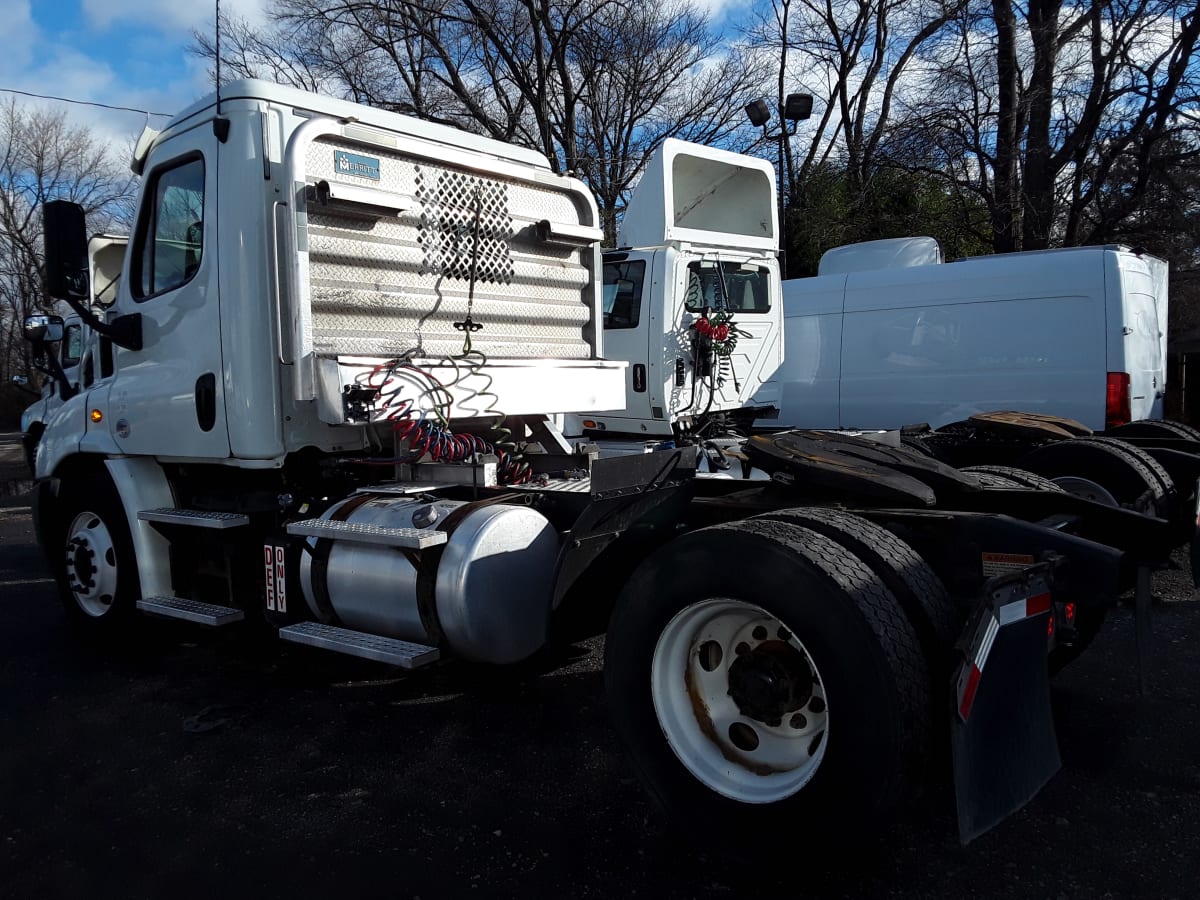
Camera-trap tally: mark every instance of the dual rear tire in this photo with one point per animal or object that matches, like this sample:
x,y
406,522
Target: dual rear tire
x,y
761,674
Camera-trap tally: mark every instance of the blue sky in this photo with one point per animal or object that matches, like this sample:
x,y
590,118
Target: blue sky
x,y
120,52
127,53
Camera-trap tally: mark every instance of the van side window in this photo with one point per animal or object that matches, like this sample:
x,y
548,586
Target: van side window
x,y
746,287
623,293
170,235
72,346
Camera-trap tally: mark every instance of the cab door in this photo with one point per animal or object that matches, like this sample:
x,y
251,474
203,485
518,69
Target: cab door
x,y
167,397
629,318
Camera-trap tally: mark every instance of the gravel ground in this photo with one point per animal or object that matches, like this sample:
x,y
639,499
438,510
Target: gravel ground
x,y
188,762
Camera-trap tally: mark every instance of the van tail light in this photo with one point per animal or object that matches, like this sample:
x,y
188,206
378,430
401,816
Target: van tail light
x,y
1116,400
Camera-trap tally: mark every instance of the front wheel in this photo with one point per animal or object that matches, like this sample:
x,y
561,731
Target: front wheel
x,y
766,682
91,554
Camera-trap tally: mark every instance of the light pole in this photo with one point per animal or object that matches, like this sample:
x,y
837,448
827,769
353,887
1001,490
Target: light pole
x,y
796,108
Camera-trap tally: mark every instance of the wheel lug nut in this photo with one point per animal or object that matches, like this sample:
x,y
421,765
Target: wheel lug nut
x,y
816,705
742,649
783,634
798,720
760,633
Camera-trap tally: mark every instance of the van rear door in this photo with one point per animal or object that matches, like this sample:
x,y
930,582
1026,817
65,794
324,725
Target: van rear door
x,y
1137,310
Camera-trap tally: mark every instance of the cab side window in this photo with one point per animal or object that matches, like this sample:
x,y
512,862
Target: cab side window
x,y
623,293
170,237
72,346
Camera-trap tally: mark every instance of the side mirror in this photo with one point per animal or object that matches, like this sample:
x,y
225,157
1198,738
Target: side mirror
x,y
66,250
43,329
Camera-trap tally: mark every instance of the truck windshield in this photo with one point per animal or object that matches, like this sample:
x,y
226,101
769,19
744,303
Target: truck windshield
x,y
746,286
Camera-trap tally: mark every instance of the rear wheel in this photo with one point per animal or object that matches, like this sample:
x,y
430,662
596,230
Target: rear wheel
x,y
761,675
1022,477
920,592
1155,428
1105,471
91,554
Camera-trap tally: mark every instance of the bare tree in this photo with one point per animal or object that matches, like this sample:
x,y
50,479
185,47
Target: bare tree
x,y
856,57
595,85
43,157
1063,117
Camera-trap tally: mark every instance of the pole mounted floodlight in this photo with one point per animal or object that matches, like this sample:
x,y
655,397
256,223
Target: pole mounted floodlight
x,y
795,109
759,113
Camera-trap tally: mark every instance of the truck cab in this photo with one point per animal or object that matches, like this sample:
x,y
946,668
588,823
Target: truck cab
x,y
697,250
286,245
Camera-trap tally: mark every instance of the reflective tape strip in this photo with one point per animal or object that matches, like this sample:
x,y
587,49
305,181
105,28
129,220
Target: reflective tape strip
x,y
985,646
971,672
966,693
1024,609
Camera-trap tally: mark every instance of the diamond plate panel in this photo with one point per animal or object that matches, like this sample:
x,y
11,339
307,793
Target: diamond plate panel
x,y
465,227
390,285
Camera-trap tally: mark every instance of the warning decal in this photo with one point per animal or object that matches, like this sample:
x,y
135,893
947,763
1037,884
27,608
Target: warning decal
x,y
1003,563
276,580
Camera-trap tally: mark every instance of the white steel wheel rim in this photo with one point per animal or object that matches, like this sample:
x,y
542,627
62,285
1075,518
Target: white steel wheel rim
x,y
1087,489
731,748
91,564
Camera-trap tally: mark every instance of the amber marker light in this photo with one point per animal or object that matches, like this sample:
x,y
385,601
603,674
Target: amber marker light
x,y
97,416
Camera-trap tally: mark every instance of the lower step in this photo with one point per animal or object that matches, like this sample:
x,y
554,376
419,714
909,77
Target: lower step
x,y
191,610
357,643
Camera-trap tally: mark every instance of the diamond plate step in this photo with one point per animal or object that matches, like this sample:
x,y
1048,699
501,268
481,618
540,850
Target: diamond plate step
x,y
357,643
411,538
190,610
197,518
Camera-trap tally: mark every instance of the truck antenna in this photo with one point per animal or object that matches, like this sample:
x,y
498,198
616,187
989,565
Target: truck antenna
x,y
217,52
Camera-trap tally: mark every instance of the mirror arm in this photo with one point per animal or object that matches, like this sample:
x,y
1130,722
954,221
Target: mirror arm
x,y
54,369
124,331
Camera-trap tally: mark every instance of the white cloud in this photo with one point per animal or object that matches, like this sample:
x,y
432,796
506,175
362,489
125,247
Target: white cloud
x,y
167,15
721,9
20,36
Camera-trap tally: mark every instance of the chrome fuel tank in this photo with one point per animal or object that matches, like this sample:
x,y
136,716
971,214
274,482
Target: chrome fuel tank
x,y
485,594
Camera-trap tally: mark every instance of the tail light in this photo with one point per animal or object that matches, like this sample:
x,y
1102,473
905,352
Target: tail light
x,y
1116,400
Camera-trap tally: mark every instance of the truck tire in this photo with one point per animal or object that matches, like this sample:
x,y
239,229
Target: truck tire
x,y
920,592
1106,471
989,480
1155,428
91,554
767,683
1021,477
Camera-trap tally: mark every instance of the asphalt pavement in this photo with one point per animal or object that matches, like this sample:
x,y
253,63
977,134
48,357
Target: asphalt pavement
x,y
193,763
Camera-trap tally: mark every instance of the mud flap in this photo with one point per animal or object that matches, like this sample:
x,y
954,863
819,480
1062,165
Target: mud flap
x,y
1002,730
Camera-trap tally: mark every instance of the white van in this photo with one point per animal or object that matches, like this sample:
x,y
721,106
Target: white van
x,y
888,335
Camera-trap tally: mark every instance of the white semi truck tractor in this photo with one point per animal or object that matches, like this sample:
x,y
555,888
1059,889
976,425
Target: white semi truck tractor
x,y
325,402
